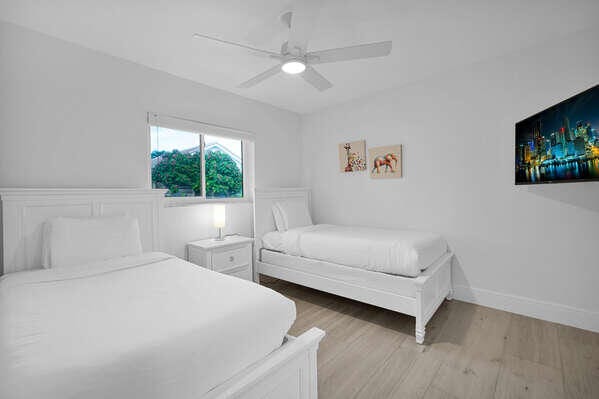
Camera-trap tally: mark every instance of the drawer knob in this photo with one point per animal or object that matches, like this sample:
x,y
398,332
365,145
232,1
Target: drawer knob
x,y
231,258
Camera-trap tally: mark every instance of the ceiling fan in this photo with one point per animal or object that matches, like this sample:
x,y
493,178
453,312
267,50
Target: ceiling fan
x,y
294,57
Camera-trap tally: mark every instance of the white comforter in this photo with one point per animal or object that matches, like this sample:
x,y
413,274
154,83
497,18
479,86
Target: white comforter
x,y
148,326
401,252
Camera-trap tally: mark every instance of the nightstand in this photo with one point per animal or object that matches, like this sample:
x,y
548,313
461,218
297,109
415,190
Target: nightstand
x,y
232,256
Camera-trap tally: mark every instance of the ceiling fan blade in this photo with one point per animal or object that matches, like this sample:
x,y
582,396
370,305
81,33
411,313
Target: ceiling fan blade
x,y
259,78
316,79
303,17
271,53
370,50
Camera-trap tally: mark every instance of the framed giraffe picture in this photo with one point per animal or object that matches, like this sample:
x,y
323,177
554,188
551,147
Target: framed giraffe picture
x,y
385,162
352,156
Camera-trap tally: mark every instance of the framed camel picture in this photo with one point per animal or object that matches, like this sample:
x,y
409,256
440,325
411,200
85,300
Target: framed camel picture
x,y
385,162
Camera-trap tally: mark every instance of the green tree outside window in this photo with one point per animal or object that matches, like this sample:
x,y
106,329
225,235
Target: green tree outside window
x,y
223,177
180,173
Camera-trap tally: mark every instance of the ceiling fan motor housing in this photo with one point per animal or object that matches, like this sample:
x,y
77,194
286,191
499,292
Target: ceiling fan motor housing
x,y
294,52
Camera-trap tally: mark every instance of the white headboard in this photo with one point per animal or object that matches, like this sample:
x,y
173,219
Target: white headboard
x,y
263,201
25,210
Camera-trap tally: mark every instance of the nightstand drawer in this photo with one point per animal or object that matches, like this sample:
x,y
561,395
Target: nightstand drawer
x,y
223,260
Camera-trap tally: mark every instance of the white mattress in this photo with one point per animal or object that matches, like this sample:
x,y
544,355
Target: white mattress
x,y
401,252
148,326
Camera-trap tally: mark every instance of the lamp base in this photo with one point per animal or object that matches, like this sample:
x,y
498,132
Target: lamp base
x,y
220,236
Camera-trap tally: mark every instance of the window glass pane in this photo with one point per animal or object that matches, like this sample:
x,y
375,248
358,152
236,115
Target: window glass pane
x,y
224,167
176,163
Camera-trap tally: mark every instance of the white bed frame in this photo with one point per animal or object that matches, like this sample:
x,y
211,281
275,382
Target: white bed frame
x,y
431,287
288,372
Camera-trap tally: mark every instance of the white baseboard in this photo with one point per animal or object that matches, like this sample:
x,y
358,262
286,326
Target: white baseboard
x,y
549,311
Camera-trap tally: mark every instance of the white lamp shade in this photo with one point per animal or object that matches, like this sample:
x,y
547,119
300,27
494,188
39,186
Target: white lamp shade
x,y
219,215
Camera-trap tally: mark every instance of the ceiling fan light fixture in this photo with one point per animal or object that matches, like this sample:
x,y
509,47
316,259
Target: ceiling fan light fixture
x,y
293,67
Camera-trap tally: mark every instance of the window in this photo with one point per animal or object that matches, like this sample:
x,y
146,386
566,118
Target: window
x,y
223,160
176,162
194,164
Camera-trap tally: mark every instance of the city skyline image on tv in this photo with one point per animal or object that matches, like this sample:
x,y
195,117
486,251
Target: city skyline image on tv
x,y
561,143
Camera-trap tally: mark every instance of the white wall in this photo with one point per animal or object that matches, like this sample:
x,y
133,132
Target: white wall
x,y
73,117
528,249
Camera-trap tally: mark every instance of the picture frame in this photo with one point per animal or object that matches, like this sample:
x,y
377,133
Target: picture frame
x,y
352,156
385,162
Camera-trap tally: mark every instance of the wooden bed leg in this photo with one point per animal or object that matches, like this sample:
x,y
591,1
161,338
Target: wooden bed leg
x,y
420,327
420,334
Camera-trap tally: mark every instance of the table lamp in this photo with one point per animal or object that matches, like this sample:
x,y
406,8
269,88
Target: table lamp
x,y
219,220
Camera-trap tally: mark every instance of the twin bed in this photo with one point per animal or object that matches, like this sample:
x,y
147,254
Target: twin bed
x,y
125,322
404,271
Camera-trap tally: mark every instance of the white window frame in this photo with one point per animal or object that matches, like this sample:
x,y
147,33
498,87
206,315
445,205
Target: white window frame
x,y
203,129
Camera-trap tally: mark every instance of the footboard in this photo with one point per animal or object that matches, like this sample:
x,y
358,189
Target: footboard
x,y
288,372
431,289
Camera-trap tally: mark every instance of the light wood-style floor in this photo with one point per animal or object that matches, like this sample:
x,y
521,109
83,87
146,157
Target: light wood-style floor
x,y
470,352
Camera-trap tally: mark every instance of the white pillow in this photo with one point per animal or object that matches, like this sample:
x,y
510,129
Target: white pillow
x,y
293,214
278,216
75,241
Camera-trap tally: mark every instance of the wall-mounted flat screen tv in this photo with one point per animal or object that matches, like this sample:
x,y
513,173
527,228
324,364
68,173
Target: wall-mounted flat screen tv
x,y
561,143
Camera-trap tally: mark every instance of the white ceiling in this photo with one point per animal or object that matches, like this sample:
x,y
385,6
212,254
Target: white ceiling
x,y
428,37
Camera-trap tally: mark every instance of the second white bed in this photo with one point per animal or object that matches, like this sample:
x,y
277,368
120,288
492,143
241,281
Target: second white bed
x,y
401,270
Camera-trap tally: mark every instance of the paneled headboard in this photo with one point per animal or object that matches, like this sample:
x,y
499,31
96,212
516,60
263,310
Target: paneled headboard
x,y
264,199
25,210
